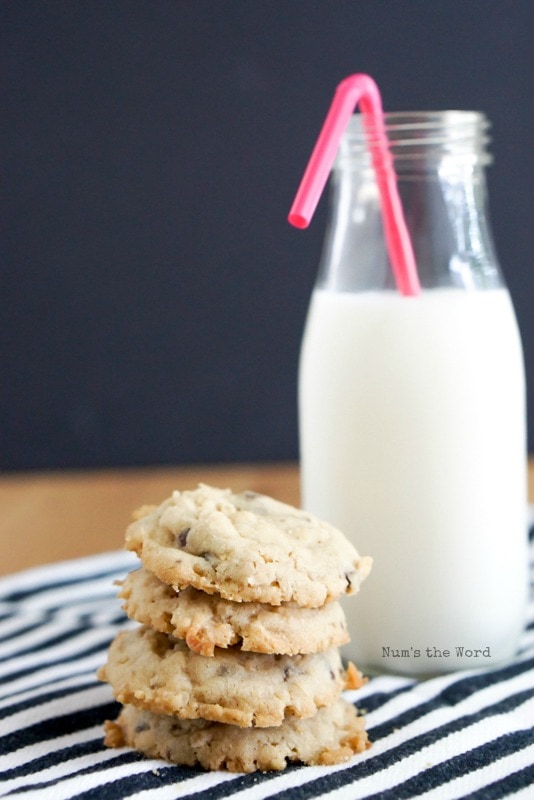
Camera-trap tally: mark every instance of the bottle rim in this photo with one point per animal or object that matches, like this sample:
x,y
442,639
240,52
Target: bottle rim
x,y
420,135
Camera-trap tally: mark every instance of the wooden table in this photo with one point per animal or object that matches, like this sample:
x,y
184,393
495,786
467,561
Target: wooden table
x,y
48,517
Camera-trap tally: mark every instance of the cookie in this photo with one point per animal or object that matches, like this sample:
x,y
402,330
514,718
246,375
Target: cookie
x,y
332,736
207,621
247,548
154,671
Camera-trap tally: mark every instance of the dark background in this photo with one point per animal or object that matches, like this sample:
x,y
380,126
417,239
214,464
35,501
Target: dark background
x,y
152,293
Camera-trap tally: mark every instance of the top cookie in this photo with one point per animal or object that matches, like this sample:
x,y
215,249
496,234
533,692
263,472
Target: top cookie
x,y
247,548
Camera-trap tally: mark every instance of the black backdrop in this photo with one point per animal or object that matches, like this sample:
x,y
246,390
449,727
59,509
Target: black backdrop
x,y
153,295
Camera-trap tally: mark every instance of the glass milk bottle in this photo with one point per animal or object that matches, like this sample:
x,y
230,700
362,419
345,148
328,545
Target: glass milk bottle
x,y
412,409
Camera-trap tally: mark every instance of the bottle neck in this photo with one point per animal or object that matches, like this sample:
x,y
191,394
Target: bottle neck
x,y
419,142
439,159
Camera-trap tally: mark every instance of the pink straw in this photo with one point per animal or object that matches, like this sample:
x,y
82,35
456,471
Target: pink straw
x,y
360,88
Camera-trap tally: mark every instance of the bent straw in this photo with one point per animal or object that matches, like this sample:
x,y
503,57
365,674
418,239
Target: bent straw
x,y
360,88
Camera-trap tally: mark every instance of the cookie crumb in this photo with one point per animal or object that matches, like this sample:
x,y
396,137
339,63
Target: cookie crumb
x,y
353,677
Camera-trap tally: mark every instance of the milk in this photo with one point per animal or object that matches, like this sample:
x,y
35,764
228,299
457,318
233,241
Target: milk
x,y
412,432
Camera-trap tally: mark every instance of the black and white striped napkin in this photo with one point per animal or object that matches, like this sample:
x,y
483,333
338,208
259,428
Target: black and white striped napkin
x,y
466,735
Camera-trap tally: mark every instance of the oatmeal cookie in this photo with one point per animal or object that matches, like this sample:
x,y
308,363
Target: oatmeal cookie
x,y
159,673
332,736
207,621
246,548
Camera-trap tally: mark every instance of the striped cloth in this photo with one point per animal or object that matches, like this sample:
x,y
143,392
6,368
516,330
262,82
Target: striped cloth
x,y
466,735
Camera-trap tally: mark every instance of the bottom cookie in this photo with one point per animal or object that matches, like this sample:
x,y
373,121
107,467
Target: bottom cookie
x,y
332,736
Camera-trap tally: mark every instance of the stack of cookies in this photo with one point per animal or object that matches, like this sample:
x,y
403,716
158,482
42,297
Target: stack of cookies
x,y
234,662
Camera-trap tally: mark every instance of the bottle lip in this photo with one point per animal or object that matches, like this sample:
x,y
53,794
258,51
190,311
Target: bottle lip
x,y
428,118
421,134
